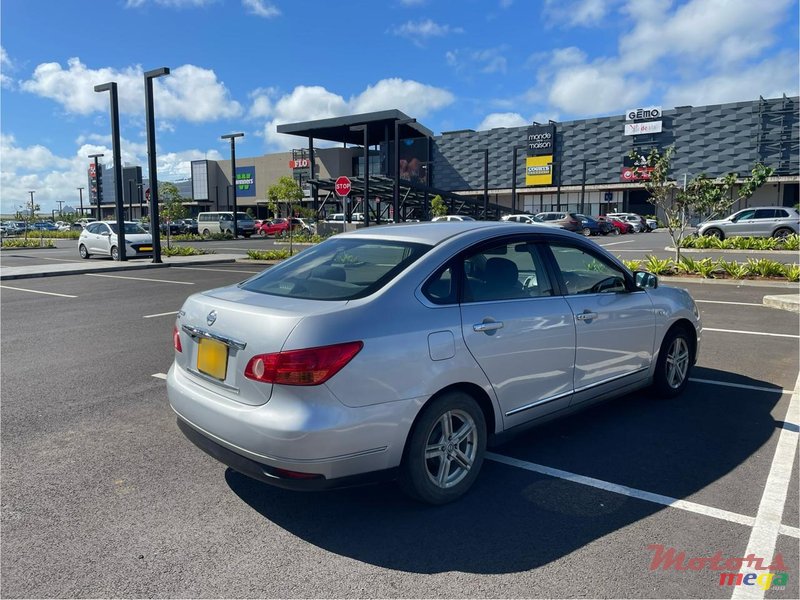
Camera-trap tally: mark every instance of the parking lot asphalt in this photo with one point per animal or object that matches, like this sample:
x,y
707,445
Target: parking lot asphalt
x,y
102,495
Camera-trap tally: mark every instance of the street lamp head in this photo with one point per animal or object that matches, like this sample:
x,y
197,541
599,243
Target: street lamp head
x,y
105,87
156,73
230,136
96,155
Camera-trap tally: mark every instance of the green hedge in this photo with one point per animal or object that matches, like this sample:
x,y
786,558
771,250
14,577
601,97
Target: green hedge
x,y
29,243
709,268
707,242
183,251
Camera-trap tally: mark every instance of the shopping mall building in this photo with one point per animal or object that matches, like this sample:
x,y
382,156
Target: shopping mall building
x,y
581,166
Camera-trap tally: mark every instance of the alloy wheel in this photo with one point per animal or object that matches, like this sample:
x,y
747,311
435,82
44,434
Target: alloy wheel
x,y
677,363
451,448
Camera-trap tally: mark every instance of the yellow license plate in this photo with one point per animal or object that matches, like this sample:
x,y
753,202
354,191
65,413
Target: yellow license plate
x,y
145,248
212,358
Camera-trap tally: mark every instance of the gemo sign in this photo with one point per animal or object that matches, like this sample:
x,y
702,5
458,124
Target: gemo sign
x,y
636,114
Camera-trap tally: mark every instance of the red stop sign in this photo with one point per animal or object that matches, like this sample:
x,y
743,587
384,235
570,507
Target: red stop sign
x,y
343,186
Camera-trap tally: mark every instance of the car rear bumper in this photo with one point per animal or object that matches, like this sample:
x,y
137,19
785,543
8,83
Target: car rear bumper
x,y
302,430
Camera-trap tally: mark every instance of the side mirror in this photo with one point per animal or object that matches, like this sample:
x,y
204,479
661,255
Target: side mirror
x,y
645,280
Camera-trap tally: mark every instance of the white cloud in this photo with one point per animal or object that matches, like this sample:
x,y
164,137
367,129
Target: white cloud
x,y
421,31
722,32
489,60
189,93
5,65
583,13
170,3
261,8
308,103
770,79
595,89
54,177
509,119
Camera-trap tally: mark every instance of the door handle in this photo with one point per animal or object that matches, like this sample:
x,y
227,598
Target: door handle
x,y
490,326
586,316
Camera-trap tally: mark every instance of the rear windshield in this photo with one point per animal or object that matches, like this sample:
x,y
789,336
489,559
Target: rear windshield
x,y
338,269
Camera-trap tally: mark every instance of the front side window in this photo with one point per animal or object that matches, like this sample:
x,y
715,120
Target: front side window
x,y
745,214
338,269
506,271
584,273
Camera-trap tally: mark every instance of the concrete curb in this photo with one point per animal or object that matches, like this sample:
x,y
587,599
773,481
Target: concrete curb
x,y
81,268
790,302
732,251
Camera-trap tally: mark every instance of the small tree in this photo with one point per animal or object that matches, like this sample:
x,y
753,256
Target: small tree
x,y
172,207
286,189
701,194
438,207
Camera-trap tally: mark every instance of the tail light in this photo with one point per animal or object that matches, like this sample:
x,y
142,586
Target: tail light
x,y
176,339
310,366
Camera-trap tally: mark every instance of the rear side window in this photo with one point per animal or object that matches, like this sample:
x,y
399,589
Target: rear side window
x,y
507,271
781,214
338,269
765,213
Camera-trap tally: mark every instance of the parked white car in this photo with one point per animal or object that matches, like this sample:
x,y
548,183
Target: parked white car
x,y
100,237
452,218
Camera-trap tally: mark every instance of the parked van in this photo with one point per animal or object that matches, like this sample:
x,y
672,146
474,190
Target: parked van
x,y
222,222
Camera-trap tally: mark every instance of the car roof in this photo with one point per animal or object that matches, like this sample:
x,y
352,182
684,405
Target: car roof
x,y
434,233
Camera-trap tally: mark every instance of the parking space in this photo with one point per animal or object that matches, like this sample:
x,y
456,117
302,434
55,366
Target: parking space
x,y
102,495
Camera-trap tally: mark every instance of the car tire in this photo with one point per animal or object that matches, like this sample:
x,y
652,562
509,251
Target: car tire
x,y
615,231
430,470
114,253
674,364
206,234
262,233
586,231
714,232
782,233
83,252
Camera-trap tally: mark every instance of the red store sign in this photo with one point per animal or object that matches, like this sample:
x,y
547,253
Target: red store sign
x,y
628,174
302,163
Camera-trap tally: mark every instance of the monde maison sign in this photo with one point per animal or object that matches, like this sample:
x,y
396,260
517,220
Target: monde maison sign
x,y
541,140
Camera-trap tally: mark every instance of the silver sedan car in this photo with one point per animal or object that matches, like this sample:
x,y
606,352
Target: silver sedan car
x,y
400,351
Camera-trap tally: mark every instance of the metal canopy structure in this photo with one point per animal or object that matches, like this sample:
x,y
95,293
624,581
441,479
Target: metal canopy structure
x,y
382,127
337,129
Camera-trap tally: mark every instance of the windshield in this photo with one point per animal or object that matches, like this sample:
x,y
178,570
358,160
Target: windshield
x,y
129,228
338,269
242,217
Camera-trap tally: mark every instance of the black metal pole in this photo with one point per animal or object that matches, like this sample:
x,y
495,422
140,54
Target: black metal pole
x,y
486,183
80,194
366,179
583,184
155,230
232,137
111,87
130,199
558,188
311,163
514,182
396,190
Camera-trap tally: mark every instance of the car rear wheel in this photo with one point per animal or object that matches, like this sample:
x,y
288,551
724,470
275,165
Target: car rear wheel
x,y
262,233
615,231
714,232
114,253
586,231
83,252
206,234
674,363
782,233
445,450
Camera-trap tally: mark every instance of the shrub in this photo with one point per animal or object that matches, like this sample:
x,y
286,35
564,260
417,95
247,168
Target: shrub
x,y
29,243
633,265
792,272
183,251
659,266
765,267
791,242
733,269
267,254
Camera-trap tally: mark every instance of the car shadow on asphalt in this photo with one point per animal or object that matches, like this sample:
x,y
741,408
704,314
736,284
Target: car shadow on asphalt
x,y
514,520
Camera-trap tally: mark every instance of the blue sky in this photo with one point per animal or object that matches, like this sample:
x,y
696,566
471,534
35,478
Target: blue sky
x,y
249,65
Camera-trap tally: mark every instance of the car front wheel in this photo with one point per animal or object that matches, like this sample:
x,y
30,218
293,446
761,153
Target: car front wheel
x,y
714,232
83,251
445,450
114,253
674,363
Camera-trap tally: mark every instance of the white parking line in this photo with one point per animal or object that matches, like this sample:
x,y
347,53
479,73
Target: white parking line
x,y
624,490
764,536
139,279
615,243
8,287
220,270
172,312
785,335
160,375
726,302
757,388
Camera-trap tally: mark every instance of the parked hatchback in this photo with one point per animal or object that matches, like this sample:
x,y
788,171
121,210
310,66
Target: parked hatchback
x,y
100,237
297,378
759,221
565,220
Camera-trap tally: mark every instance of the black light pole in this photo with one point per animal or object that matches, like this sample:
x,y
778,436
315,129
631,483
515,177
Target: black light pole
x,y
97,182
366,170
396,196
514,178
141,200
583,184
80,194
111,87
485,183
155,230
232,137
130,199
60,205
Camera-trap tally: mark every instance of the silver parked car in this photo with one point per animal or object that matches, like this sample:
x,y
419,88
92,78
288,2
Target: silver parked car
x,y
400,351
100,237
758,221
